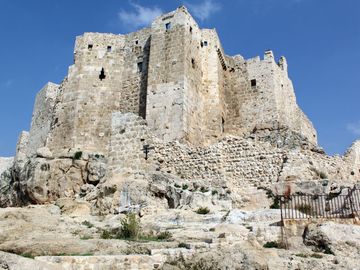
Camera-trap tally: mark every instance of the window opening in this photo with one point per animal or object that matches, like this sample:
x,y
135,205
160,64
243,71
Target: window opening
x,y
253,83
108,48
190,29
205,43
168,26
102,74
90,46
222,124
193,62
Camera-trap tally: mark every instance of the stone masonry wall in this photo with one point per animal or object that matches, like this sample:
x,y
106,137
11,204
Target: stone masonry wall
x,y
42,117
83,114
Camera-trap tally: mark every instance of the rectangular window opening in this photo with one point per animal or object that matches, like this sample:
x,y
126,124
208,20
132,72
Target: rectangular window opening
x,y
205,43
190,29
90,46
193,62
168,26
136,42
253,83
108,49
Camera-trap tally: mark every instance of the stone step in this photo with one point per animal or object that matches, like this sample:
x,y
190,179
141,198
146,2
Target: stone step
x,y
106,262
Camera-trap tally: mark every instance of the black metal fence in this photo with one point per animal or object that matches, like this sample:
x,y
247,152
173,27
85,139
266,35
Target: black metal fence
x,y
321,206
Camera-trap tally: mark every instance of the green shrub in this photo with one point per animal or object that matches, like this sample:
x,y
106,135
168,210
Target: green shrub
x,y
185,186
177,185
327,250
183,245
317,255
273,244
106,235
130,227
164,235
78,155
276,203
203,210
87,224
302,255
86,237
204,189
214,192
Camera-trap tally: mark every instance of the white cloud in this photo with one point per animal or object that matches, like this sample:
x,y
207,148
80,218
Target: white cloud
x,y
141,16
205,9
354,128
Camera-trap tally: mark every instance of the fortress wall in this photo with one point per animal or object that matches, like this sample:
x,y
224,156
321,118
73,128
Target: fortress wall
x,y
135,72
166,77
129,134
237,92
87,101
194,99
42,117
213,87
232,161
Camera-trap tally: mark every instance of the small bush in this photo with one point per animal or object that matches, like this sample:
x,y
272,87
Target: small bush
x,y
273,244
77,155
327,250
86,237
87,224
177,185
106,235
164,235
203,210
302,255
204,189
276,203
185,186
317,255
214,192
183,245
27,255
130,227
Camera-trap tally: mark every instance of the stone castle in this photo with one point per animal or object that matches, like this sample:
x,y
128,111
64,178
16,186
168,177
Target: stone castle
x,y
207,116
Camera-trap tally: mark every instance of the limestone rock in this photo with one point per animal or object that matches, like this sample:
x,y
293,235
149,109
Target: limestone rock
x,y
44,152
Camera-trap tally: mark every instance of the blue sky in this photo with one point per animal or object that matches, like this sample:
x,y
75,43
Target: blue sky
x,y
320,39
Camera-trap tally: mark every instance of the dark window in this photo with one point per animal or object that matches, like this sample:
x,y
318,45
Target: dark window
x,y
168,26
193,62
205,43
253,83
222,124
108,48
102,74
190,29
202,44
90,46
136,42
140,66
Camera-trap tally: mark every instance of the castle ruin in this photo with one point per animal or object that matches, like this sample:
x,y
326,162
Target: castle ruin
x,y
207,115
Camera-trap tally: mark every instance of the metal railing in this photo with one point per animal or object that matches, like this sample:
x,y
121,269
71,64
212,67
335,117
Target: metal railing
x,y
321,206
